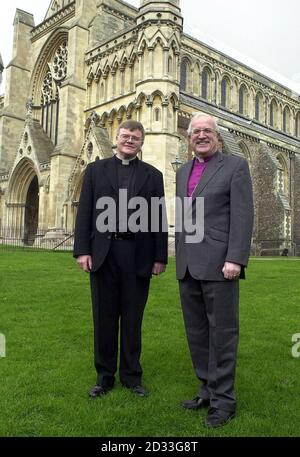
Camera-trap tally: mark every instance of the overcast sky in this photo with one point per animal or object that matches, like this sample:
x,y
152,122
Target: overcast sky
x,y
264,34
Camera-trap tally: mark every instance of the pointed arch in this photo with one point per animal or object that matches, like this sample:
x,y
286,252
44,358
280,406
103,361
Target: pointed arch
x,y
121,114
23,201
185,67
90,76
245,150
273,115
282,175
225,91
206,77
297,124
258,106
104,119
130,110
98,73
158,38
124,61
141,98
286,119
55,40
173,99
132,57
175,45
156,93
170,69
243,94
142,46
196,78
20,179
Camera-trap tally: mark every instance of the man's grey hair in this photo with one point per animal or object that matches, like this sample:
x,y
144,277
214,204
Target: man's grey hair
x,y
197,116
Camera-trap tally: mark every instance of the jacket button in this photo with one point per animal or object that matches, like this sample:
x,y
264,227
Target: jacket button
x,y
109,237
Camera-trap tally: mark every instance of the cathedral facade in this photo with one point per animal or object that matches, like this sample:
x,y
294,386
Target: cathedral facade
x,y
92,64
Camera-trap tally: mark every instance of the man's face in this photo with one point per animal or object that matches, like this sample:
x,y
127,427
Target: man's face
x,y
204,138
129,143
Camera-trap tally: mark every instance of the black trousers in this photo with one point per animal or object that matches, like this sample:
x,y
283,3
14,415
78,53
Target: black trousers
x,y
210,311
119,297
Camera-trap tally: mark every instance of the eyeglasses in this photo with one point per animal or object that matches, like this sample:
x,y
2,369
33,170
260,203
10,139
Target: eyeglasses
x,y
205,131
133,138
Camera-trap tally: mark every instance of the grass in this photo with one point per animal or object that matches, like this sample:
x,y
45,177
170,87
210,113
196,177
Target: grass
x,y
48,369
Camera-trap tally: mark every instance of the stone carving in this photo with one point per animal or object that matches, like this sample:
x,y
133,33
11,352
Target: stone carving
x,y
60,61
29,106
55,6
47,88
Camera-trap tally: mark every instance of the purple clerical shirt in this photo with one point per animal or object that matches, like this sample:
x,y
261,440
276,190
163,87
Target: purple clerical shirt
x,y
198,169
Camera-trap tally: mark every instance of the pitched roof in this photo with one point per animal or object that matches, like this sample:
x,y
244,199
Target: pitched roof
x,y
42,144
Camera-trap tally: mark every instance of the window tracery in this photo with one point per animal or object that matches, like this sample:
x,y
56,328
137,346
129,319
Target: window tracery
x,y
56,73
60,62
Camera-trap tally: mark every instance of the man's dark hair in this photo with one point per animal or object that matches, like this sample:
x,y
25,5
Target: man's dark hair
x,y
132,125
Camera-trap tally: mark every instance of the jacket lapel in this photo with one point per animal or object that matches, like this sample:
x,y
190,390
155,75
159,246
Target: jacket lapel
x,y
111,173
142,174
182,179
213,166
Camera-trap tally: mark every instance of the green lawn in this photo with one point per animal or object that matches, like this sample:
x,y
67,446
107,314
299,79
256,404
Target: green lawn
x,y
48,369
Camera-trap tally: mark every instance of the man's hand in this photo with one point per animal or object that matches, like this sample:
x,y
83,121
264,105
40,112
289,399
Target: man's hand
x,y
85,262
231,270
158,268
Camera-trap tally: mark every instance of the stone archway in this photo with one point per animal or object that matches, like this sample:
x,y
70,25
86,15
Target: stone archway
x,y
75,200
31,217
23,202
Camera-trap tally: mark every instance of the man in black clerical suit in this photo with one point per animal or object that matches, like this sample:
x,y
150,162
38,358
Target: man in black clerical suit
x,y
121,252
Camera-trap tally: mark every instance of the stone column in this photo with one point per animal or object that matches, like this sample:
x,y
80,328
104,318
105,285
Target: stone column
x,y
149,104
165,104
165,62
151,62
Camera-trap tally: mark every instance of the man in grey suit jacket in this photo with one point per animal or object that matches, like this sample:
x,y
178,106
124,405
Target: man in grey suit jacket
x,y
209,269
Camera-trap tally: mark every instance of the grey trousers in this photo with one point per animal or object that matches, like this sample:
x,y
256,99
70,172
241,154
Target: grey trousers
x,y
210,312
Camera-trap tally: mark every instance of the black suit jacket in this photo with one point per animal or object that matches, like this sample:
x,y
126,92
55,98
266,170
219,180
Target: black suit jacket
x,y
100,180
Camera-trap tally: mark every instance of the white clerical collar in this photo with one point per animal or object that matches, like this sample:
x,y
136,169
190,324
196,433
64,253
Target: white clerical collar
x,y
125,161
200,159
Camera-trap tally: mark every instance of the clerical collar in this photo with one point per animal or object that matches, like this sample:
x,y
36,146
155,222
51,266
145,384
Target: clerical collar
x,y
203,159
125,161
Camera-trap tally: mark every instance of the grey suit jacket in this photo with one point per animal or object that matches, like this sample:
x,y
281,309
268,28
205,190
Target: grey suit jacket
x,y
228,218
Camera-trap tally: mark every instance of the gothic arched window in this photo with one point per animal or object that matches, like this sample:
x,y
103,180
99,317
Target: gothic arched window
x,y
297,125
57,72
242,100
286,120
170,66
224,92
204,83
273,113
258,107
157,115
282,176
183,75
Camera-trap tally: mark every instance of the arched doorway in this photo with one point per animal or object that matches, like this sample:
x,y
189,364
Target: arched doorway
x,y
23,202
31,212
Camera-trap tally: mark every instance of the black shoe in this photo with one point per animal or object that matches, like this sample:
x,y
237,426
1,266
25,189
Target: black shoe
x,y
196,403
138,390
99,391
218,417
